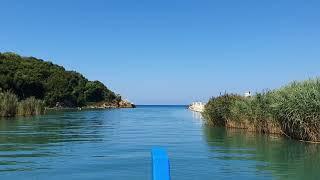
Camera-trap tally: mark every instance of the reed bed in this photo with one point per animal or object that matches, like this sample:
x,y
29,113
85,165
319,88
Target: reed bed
x,y
293,111
10,106
30,107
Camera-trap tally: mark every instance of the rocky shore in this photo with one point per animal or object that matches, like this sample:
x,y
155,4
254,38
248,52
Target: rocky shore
x,y
106,105
99,105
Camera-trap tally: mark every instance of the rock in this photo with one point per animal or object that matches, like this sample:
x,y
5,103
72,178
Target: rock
x,y
58,105
126,104
108,105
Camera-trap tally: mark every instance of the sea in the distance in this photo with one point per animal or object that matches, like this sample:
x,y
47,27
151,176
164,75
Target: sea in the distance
x,y
115,144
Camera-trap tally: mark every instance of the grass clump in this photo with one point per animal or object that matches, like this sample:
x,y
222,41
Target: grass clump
x,y
10,106
30,106
293,110
297,108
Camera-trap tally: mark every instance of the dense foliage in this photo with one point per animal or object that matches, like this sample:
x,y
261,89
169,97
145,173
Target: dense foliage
x,y
293,111
31,77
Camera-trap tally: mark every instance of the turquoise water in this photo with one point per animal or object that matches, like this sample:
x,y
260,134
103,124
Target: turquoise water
x,y
115,144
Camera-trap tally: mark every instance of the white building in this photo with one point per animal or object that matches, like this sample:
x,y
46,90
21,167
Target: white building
x,y
247,94
197,106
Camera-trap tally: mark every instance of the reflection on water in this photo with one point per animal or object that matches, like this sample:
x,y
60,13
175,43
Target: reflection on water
x,y
283,158
116,144
28,139
197,115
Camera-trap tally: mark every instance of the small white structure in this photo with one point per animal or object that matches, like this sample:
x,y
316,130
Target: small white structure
x,y
197,106
247,94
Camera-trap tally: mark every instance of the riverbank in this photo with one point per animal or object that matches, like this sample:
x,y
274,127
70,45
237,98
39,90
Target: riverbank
x,y
53,84
291,111
107,105
10,106
99,105
31,84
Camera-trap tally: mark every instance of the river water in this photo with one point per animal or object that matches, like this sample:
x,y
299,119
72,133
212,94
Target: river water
x,y
116,144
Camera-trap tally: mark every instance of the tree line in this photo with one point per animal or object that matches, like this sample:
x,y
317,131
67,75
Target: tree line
x,y
31,77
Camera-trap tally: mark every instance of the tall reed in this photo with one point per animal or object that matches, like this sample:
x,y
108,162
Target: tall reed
x,y
297,108
8,104
30,106
293,110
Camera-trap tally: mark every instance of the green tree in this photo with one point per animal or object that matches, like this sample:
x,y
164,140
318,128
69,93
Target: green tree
x,y
31,77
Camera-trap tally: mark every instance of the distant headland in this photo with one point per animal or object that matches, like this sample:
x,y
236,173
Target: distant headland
x,y
50,85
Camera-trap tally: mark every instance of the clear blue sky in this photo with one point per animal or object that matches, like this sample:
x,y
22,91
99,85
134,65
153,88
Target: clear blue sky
x,y
167,51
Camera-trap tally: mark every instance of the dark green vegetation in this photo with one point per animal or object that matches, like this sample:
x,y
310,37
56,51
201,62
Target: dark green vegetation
x,y
31,77
293,111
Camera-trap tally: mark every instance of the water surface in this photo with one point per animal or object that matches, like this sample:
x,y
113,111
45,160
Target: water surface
x,y
115,144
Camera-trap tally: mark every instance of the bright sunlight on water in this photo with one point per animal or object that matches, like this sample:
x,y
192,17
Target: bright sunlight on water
x,y
115,144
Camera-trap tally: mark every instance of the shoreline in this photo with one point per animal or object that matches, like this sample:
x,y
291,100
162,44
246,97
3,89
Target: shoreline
x,y
98,105
291,111
84,108
270,134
